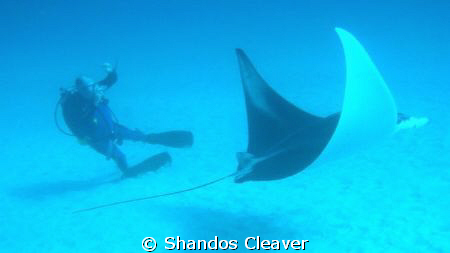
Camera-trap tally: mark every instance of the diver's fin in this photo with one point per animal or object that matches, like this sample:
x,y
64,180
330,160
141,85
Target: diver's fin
x,y
150,164
175,139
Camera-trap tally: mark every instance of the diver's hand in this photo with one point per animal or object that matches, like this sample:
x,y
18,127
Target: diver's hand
x,y
108,67
111,76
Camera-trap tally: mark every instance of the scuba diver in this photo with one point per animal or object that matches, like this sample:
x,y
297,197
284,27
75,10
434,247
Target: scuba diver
x,y
87,114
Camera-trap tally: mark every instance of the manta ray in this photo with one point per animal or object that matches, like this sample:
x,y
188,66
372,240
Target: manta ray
x,y
283,139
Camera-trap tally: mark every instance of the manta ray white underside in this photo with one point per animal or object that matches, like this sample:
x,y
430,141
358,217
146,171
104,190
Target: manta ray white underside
x,y
369,112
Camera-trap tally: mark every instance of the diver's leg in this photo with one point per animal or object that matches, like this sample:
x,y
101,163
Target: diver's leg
x,y
119,158
110,150
175,139
124,133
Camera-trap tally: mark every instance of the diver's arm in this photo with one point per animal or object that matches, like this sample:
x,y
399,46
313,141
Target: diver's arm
x,y
93,91
111,77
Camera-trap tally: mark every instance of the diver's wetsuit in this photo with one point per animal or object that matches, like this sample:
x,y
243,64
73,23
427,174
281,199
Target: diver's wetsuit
x,y
91,121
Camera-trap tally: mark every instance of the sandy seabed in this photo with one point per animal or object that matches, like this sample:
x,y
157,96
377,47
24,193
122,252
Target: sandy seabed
x,y
389,198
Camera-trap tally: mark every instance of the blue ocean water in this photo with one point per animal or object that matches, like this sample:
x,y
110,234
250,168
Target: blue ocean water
x,y
178,70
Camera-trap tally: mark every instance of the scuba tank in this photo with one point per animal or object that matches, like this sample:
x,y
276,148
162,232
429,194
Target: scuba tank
x,y
78,112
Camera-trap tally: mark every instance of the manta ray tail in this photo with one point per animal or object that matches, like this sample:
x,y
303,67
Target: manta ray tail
x,y
154,196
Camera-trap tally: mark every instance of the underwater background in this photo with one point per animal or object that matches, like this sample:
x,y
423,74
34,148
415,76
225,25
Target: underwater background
x,y
178,70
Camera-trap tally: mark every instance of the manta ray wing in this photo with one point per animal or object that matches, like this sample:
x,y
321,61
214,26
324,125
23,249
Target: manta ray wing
x,y
271,118
283,139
